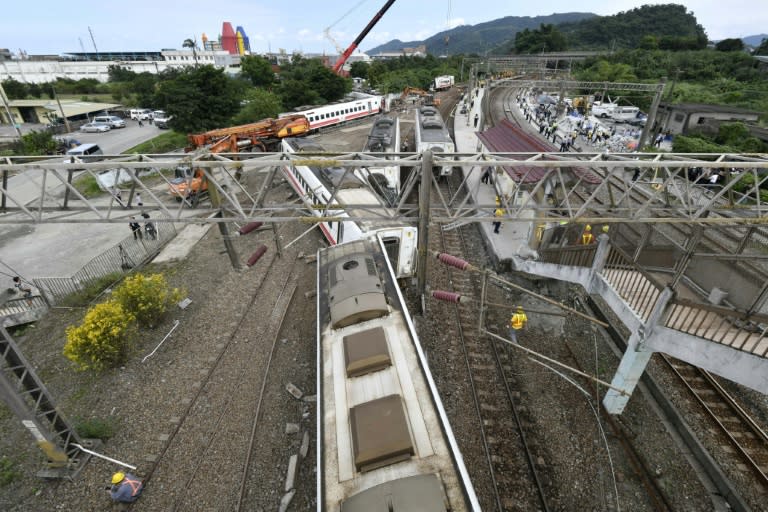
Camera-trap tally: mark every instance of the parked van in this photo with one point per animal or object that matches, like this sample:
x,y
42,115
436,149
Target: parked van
x,y
141,113
624,113
113,121
84,153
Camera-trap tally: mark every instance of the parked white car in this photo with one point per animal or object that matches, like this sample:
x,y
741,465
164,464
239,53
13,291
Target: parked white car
x,y
95,127
112,121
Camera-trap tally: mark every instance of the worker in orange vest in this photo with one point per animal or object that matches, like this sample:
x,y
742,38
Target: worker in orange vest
x,y
517,322
126,488
586,237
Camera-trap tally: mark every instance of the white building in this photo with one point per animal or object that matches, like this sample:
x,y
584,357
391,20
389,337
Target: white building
x,y
77,66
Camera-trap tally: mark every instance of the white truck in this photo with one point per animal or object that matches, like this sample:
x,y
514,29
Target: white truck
x,y
443,82
603,109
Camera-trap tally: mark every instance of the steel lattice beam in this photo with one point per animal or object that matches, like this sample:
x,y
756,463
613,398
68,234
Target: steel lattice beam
x,y
39,189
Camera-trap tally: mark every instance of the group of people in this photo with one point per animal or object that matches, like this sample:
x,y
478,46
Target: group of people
x,y
149,228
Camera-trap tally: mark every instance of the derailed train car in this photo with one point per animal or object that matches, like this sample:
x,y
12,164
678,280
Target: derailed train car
x,y
384,441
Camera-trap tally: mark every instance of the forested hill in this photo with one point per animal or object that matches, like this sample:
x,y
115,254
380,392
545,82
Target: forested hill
x,y
668,26
482,37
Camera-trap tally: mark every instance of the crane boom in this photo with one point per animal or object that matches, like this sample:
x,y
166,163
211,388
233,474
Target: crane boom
x,y
344,56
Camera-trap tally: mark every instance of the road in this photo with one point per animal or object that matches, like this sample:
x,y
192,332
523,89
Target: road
x,y
59,250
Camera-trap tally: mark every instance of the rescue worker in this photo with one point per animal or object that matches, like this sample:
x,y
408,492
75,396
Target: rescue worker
x,y
517,322
498,213
126,487
586,237
20,287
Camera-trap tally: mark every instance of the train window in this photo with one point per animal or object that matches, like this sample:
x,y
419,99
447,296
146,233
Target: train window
x,y
380,435
366,352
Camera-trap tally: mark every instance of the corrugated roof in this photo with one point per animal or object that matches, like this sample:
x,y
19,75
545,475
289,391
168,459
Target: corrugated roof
x,y
71,107
505,137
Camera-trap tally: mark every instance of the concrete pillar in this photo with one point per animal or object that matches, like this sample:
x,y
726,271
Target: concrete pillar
x,y
635,359
598,263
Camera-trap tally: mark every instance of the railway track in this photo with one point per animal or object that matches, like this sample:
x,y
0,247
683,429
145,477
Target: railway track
x,y
510,459
726,422
227,407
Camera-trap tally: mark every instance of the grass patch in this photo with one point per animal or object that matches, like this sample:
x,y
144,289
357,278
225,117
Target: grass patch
x,y
92,290
8,471
95,428
164,143
87,185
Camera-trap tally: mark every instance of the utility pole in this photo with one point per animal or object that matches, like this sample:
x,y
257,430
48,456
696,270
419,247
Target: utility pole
x,y
8,110
61,110
425,190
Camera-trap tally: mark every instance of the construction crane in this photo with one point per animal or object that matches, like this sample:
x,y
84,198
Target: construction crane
x,y
344,56
262,135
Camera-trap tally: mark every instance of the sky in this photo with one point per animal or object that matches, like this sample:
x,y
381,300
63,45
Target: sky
x,y
48,27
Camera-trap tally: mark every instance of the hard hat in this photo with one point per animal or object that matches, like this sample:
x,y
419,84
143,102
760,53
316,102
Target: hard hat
x,y
519,308
587,228
118,477
498,200
606,228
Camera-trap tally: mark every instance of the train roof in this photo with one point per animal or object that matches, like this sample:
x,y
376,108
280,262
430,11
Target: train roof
x,y
431,126
383,436
383,134
335,177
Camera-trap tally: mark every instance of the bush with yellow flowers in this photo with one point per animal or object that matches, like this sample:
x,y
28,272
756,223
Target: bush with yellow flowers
x,y
103,339
147,297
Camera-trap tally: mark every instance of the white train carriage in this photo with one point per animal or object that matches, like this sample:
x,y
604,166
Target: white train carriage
x,y
384,441
314,184
430,133
338,113
384,137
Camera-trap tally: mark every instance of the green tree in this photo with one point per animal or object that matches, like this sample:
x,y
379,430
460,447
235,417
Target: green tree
x,y
38,143
359,69
546,38
14,89
258,104
258,70
191,44
763,48
200,99
730,45
307,81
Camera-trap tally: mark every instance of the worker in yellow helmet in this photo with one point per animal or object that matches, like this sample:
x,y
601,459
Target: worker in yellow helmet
x,y
126,488
606,228
586,237
517,322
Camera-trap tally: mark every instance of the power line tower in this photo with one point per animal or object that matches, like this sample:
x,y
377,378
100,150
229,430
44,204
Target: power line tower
x,y
27,397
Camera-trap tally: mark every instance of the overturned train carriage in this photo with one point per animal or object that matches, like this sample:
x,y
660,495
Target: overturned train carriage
x,y
384,442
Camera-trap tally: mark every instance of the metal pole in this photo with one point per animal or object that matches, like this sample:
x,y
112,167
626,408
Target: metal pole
x,y
651,115
425,190
8,110
61,110
110,459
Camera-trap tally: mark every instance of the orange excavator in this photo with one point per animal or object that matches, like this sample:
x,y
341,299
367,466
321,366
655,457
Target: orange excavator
x,y
260,136
429,99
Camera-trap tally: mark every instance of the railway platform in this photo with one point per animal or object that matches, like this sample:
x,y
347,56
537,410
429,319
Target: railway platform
x,y
660,315
513,236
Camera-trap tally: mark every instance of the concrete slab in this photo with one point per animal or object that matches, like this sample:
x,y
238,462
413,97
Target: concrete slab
x,y
185,240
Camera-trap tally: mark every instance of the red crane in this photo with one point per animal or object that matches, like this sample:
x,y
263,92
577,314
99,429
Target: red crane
x,y
344,56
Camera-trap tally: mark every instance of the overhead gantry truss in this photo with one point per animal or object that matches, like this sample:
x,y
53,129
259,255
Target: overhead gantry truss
x,y
630,187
